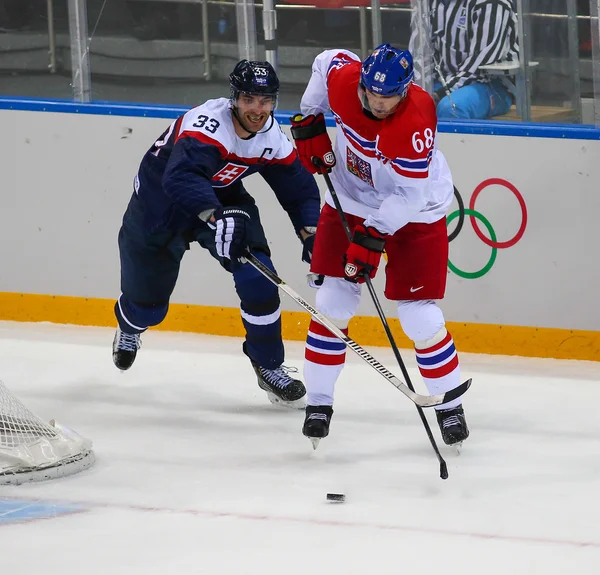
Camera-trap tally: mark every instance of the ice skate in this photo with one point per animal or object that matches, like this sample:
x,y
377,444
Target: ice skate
x,y
316,423
453,425
125,346
281,388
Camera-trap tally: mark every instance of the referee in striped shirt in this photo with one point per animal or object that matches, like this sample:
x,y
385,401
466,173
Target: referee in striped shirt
x,y
465,35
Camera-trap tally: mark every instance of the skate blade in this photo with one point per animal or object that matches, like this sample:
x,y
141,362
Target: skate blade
x,y
458,447
315,441
297,404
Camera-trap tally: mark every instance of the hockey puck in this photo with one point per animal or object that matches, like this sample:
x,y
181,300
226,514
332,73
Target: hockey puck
x,y
336,497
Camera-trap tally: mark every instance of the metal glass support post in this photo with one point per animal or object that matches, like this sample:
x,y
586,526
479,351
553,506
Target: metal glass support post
x,y
573,42
420,44
51,37
364,49
376,22
80,55
523,77
206,42
595,23
246,29
270,30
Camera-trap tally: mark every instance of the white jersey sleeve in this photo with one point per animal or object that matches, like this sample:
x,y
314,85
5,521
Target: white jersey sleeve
x,y
315,99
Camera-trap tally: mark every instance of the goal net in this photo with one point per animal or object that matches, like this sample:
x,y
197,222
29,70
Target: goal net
x,y
32,450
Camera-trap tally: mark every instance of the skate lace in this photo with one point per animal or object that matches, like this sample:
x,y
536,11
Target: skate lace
x,y
322,416
129,341
450,421
279,377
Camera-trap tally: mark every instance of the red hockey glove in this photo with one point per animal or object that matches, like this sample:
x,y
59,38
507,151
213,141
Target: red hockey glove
x,y
313,143
363,255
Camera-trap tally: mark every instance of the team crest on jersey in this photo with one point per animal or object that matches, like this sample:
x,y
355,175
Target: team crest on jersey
x,y
359,167
229,174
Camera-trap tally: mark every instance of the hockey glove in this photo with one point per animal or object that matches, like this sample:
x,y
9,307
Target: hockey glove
x,y
313,143
363,255
315,281
308,245
231,232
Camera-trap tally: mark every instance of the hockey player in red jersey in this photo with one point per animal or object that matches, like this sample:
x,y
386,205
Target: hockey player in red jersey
x,y
395,187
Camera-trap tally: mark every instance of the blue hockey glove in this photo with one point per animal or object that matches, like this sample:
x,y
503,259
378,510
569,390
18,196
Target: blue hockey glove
x,y
308,245
231,232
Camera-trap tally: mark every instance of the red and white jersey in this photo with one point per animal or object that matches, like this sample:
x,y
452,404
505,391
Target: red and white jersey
x,y
389,171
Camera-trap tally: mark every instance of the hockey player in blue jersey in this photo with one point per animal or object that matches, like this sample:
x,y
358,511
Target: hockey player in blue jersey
x,y
189,188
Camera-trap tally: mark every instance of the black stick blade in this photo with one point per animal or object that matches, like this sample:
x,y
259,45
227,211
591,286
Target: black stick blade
x,y
457,391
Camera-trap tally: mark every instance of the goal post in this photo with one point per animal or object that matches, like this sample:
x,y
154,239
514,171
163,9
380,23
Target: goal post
x,y
33,450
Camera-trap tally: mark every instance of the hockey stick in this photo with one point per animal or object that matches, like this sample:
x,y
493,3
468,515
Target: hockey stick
x,y
437,65
388,331
417,399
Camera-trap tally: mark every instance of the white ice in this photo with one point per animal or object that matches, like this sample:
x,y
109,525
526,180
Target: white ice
x,y
197,473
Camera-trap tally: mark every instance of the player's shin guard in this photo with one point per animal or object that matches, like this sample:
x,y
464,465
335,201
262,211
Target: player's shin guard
x,y
438,363
261,314
136,318
325,356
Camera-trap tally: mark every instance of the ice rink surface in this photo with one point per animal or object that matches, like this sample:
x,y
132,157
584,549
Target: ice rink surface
x,y
197,473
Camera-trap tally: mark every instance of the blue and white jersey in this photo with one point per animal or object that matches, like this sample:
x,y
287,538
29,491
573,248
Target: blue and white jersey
x,y
198,164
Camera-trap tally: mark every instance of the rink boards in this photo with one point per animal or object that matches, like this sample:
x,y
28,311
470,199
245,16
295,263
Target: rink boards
x,y
523,270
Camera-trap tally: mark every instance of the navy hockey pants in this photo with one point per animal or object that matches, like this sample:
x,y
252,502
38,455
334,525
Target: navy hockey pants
x,y
150,266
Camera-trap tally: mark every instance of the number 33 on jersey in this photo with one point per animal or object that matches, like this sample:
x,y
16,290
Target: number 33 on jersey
x,y
210,124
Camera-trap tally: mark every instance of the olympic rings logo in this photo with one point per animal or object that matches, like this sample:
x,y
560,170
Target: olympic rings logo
x,y
474,215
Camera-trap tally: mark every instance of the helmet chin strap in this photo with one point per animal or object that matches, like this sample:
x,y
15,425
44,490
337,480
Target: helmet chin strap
x,y
362,96
252,133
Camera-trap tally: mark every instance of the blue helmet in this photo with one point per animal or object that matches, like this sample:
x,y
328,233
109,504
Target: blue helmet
x,y
387,71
